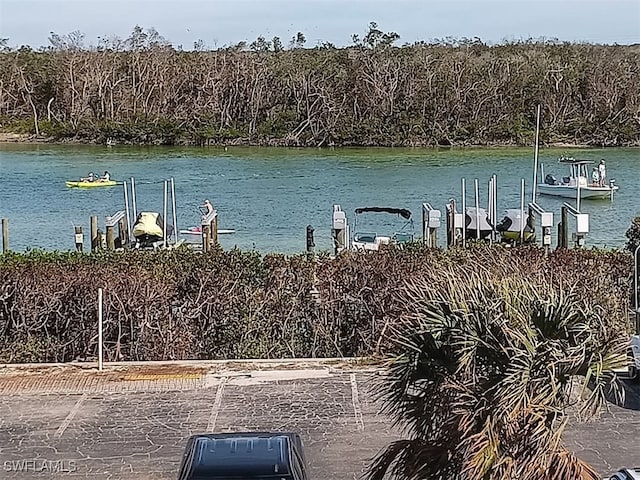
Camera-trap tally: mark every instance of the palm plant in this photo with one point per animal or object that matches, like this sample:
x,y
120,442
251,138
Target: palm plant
x,y
485,373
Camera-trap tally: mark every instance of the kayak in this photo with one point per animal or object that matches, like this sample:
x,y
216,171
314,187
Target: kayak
x,y
198,231
93,184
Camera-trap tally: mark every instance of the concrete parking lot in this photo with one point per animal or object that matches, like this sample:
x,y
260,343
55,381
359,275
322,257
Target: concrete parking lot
x,y
132,423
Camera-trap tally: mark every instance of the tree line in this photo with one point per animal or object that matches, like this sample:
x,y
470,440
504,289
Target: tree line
x,y
143,90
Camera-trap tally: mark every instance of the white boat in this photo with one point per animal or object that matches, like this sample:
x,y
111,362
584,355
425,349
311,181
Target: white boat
x,y
198,231
371,241
567,186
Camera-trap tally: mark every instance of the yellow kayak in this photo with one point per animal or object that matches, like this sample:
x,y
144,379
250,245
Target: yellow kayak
x,y
95,183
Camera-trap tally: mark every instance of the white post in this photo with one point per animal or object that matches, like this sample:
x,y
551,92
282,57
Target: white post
x,y
126,206
578,192
173,208
133,199
477,210
164,211
535,159
100,352
464,214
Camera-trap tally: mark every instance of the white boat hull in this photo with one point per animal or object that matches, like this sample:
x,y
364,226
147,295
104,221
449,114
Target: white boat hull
x,y
221,231
567,191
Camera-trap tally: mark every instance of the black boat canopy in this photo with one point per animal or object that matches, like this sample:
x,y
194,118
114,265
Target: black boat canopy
x,y
573,161
403,212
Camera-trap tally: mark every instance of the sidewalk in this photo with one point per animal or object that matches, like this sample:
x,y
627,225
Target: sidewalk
x,y
72,378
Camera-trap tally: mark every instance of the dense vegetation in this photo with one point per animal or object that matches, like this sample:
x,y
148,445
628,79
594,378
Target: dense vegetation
x,y
448,92
487,372
183,305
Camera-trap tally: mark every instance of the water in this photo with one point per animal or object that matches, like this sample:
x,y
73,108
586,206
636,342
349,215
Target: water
x,y
270,195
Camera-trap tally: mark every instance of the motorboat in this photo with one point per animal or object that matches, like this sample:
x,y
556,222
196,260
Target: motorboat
x,y
578,177
477,226
197,230
511,226
367,240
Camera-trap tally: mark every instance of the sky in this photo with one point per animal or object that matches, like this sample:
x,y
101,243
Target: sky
x,y
221,23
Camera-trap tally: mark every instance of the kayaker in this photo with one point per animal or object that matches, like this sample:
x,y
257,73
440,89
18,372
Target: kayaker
x,y
106,177
89,178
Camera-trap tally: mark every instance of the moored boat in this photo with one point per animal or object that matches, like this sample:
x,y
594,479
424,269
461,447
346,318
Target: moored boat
x,y
198,231
371,241
567,186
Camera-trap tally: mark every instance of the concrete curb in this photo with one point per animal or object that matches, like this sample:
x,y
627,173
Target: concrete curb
x,y
198,363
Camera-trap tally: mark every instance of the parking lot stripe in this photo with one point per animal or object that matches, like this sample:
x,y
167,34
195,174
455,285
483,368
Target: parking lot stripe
x,y
355,399
63,426
213,418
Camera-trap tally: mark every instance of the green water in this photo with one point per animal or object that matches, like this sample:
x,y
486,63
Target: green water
x,y
270,195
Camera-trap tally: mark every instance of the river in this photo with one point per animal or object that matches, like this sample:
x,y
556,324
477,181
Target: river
x,y
270,195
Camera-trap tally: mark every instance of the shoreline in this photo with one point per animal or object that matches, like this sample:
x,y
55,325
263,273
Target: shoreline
x,y
30,139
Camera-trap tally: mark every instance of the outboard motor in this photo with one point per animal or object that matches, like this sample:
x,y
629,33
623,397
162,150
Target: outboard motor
x,y
550,179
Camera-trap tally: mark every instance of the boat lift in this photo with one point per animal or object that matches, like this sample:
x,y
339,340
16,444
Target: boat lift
x,y
546,223
430,225
582,227
169,195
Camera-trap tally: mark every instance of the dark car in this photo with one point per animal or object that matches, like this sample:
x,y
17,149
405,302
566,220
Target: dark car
x,y
246,456
626,474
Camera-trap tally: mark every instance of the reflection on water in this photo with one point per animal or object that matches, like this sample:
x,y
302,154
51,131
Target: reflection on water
x,y
270,195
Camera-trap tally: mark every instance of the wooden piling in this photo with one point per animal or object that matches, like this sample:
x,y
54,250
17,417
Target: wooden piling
x,y
563,229
95,245
433,237
5,235
206,237
79,238
214,229
111,240
310,241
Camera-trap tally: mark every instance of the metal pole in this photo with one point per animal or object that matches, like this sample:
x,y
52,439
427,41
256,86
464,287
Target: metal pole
x,y
173,207
164,211
464,215
535,158
475,185
100,351
578,191
635,279
133,198
126,207
521,211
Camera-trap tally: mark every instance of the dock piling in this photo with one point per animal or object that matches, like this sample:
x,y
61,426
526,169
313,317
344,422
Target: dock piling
x,y
79,237
95,245
5,235
310,242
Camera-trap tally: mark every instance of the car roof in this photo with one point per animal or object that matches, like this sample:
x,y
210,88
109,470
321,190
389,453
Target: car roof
x,y
238,455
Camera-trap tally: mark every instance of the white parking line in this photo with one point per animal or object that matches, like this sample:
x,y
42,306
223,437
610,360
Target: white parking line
x,y
63,426
357,410
213,418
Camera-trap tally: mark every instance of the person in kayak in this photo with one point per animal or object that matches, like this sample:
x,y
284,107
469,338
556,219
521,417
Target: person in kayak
x,y
89,178
106,177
